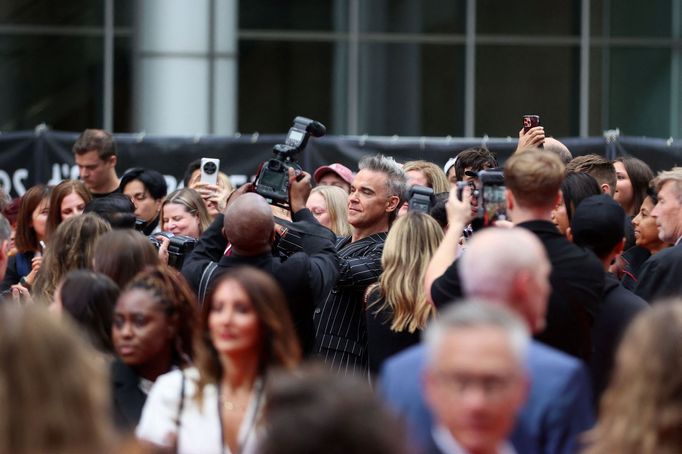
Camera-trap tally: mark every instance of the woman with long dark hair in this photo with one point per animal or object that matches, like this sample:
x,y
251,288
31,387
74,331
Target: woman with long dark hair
x,y
30,235
245,331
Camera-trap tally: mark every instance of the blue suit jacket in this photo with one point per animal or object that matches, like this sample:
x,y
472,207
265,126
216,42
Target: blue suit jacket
x,y
558,409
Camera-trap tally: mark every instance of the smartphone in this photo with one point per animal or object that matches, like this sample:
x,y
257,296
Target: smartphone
x,y
209,170
530,121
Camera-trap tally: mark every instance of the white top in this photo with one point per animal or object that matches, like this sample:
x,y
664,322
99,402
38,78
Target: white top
x,y
200,427
447,444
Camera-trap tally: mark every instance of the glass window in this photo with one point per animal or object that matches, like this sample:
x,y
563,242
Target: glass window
x,y
512,81
123,84
639,96
280,80
413,16
292,15
53,79
49,12
411,90
530,17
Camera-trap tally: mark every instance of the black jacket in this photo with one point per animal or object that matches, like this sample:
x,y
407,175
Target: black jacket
x,y
617,310
305,277
127,397
661,275
577,280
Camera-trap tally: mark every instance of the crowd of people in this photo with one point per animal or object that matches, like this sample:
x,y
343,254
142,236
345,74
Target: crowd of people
x,y
208,320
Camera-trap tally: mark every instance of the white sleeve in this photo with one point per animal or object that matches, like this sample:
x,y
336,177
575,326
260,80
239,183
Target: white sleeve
x,y
158,423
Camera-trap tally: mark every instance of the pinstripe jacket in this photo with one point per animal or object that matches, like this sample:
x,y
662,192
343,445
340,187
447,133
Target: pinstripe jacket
x,y
340,327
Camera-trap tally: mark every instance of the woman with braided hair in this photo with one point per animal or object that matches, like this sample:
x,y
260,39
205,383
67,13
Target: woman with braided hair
x,y
152,332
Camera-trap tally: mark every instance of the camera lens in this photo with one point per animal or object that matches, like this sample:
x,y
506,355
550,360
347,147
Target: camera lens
x,y
210,168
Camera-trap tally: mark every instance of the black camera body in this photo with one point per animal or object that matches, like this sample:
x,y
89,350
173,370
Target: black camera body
x,y
180,246
272,181
420,198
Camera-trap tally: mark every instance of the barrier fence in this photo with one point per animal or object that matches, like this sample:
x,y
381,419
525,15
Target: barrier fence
x,y
45,156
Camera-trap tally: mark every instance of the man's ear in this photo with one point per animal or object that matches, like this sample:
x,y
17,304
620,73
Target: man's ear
x,y
605,188
392,203
113,160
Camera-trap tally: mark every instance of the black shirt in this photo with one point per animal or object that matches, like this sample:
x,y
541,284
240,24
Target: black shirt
x,y
577,280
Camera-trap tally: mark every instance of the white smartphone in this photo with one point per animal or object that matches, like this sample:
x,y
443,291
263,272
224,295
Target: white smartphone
x,y
209,170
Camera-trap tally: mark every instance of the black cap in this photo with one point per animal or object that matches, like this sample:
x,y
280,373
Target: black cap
x,y
599,224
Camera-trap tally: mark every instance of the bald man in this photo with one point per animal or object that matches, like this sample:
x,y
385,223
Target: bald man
x,y
511,268
247,232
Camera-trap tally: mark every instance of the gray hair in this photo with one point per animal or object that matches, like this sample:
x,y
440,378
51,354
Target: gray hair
x,y
5,229
494,256
396,179
674,175
473,313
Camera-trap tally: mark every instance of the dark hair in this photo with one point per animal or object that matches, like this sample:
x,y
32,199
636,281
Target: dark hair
x,y
335,410
59,193
438,210
171,291
117,209
576,187
640,175
26,238
152,181
478,158
191,167
95,140
651,192
280,347
121,254
90,298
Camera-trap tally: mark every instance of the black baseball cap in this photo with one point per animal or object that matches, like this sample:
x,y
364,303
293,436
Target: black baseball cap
x,y
598,223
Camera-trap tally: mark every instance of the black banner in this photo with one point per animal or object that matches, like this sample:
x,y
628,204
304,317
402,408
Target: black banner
x,y
44,156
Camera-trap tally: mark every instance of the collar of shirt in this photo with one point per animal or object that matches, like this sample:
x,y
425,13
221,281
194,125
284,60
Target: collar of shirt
x,y
447,444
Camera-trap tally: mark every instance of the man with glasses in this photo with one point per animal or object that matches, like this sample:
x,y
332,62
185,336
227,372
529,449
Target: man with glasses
x,y
475,380
510,268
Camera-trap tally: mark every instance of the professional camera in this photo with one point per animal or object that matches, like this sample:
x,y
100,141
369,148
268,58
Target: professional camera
x,y
272,181
420,198
180,246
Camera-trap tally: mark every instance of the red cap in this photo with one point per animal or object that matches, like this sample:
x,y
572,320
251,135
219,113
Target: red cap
x,y
339,169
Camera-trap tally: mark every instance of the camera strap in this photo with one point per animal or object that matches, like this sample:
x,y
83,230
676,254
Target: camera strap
x,y
205,280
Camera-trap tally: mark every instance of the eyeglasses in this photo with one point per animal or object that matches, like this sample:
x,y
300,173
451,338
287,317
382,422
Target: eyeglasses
x,y
493,387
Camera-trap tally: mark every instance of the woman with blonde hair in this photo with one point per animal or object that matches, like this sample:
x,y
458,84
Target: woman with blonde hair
x,y
641,411
329,205
53,387
397,308
425,173
183,212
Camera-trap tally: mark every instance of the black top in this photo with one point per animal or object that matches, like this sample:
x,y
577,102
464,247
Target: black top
x,y
127,397
617,310
661,275
383,342
633,259
339,318
305,277
577,280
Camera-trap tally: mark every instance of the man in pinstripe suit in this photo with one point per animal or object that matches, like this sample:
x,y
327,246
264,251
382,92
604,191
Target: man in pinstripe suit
x,y
340,331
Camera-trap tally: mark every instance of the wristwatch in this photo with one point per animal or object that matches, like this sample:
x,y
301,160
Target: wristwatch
x,y
23,281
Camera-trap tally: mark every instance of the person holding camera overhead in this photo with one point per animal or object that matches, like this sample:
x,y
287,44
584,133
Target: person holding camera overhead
x,y
247,225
